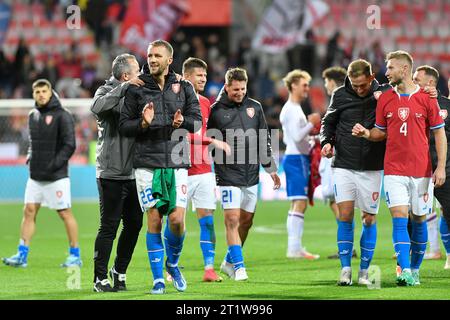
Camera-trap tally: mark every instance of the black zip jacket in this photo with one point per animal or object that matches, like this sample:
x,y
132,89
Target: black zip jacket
x,y
155,147
345,110
444,104
241,168
52,141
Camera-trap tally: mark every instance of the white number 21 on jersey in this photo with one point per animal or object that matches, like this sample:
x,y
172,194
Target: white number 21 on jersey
x,y
404,128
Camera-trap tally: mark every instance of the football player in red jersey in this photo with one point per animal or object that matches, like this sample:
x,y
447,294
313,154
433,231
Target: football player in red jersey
x,y
404,116
201,179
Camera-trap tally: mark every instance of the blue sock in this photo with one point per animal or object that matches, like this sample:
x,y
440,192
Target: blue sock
x,y
419,238
367,243
228,257
155,250
235,251
445,234
74,251
207,240
173,244
23,250
345,242
402,243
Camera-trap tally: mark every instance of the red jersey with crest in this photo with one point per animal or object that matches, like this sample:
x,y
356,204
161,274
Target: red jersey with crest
x,y
407,119
200,160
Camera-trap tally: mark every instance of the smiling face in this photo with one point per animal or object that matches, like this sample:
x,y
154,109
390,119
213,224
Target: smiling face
x,y
361,84
158,59
422,79
42,95
300,88
236,90
197,76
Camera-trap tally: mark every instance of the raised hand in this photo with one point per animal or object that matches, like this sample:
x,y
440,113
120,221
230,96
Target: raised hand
x,y
177,119
147,115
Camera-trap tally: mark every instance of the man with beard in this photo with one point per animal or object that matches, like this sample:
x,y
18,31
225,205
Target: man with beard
x,y
153,113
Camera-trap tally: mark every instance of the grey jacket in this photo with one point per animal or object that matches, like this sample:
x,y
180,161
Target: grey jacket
x,y
114,151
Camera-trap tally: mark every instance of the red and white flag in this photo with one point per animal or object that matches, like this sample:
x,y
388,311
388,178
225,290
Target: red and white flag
x,y
285,23
149,20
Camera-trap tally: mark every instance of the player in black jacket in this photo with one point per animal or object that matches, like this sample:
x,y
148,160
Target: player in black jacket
x,y
428,76
52,143
240,122
155,113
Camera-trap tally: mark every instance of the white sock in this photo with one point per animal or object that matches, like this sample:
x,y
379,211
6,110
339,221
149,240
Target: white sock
x,y
433,235
294,226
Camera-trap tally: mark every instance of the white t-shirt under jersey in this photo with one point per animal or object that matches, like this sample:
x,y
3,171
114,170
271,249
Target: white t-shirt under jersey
x,y
295,129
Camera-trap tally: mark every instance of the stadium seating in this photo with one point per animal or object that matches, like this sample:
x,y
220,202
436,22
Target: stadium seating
x,y
418,26
43,36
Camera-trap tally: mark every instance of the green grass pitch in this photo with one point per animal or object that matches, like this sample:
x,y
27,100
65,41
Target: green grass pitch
x,y
271,274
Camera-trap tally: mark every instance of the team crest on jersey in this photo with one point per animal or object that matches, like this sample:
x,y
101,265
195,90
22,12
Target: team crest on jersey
x,y
403,113
425,197
443,114
59,193
375,196
48,120
251,112
184,188
176,87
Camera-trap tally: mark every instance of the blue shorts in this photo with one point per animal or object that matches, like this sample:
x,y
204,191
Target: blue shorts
x,y
297,169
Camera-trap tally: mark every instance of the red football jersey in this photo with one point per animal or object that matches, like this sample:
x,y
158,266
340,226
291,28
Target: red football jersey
x,y
407,119
200,160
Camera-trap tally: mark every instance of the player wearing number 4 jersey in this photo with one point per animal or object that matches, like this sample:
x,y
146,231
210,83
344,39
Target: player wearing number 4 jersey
x,y
404,116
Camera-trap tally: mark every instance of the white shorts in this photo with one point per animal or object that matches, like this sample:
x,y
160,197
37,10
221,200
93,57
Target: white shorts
x,y
326,179
52,194
144,181
363,187
409,191
201,190
239,197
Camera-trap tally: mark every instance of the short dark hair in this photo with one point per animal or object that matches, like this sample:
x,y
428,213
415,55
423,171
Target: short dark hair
x,y
358,68
121,65
190,63
237,74
41,83
162,43
335,73
429,71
